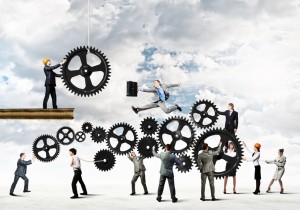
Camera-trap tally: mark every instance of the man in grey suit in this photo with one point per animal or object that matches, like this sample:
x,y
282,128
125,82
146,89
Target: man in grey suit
x,y
161,94
21,173
207,168
139,171
166,171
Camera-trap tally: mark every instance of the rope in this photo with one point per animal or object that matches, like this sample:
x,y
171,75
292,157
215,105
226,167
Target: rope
x,y
91,161
88,44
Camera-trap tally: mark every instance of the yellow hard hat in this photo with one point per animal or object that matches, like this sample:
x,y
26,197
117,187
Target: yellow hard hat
x,y
45,60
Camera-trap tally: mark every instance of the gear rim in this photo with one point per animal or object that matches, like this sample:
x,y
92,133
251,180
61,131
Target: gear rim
x,y
66,135
98,134
149,126
46,148
145,146
108,156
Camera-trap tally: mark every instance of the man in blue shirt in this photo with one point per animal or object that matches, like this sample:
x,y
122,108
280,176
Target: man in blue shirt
x,y
161,92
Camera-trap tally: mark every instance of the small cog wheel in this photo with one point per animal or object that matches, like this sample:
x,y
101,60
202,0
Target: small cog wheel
x,y
178,132
145,146
109,160
87,127
121,138
149,126
186,164
224,136
83,80
65,135
45,148
98,134
80,136
204,114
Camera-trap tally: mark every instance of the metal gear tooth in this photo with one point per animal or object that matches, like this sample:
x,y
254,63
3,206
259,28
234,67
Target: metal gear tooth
x,y
46,147
65,135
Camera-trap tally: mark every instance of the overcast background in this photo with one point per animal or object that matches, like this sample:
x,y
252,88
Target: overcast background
x,y
239,51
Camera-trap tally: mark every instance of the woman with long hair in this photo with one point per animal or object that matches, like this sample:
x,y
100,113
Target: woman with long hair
x,y
280,163
230,151
255,159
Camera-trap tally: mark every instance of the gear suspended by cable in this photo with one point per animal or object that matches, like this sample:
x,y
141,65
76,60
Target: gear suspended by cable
x,y
98,134
88,79
145,146
178,132
80,136
87,127
186,164
65,135
121,138
45,148
204,114
108,158
149,126
224,136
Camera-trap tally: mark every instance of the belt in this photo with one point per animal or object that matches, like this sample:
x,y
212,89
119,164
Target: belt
x,y
75,169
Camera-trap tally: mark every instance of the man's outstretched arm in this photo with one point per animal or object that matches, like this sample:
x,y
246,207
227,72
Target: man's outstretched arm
x,y
172,85
155,153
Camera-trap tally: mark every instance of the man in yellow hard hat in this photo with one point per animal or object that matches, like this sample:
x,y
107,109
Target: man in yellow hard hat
x,y
50,82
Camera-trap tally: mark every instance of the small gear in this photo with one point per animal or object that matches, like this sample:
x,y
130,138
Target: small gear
x,y
178,132
145,146
87,127
109,160
45,148
121,138
86,72
80,136
149,126
224,137
65,135
204,114
186,164
98,134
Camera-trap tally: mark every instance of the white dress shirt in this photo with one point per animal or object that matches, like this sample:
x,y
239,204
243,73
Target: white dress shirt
x,y
230,153
76,162
254,158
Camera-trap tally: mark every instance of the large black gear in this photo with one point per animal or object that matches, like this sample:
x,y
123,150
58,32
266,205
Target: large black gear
x,y
145,146
205,117
45,148
225,136
65,135
173,128
149,126
121,138
109,160
80,136
98,134
87,127
86,72
186,164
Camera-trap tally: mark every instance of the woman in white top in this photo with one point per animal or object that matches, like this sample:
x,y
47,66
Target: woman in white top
x,y
230,151
255,159
280,163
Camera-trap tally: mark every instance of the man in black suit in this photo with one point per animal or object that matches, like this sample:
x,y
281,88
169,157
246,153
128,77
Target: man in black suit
x,y
21,173
232,118
50,81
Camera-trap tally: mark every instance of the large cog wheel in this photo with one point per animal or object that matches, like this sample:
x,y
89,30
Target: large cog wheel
x,y
46,148
178,132
186,164
98,134
204,114
109,160
88,73
149,126
121,138
145,146
65,135
224,137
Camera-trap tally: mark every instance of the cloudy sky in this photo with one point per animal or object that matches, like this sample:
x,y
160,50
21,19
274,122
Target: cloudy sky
x,y
240,51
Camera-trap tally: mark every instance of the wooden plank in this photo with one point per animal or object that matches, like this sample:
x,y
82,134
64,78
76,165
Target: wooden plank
x,y
37,114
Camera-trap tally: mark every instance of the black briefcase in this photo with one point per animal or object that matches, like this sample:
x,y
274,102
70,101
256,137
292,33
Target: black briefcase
x,y
132,88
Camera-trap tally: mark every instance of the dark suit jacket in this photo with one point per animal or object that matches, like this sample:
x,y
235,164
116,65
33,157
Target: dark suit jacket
x,y
232,120
22,167
50,75
167,162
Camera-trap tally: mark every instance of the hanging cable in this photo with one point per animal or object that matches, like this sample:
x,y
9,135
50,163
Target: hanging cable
x,y
88,38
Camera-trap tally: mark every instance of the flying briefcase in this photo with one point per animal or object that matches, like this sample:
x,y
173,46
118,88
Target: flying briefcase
x,y
132,88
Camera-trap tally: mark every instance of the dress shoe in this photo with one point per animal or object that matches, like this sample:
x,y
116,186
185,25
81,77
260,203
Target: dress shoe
x,y
224,192
132,193
256,192
174,200
213,199
281,191
12,194
145,193
74,197
135,110
178,107
268,190
203,199
26,191
158,199
85,193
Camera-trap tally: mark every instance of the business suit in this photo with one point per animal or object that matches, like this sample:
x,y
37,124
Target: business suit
x,y
139,171
166,171
207,168
50,84
158,102
280,163
232,120
21,173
